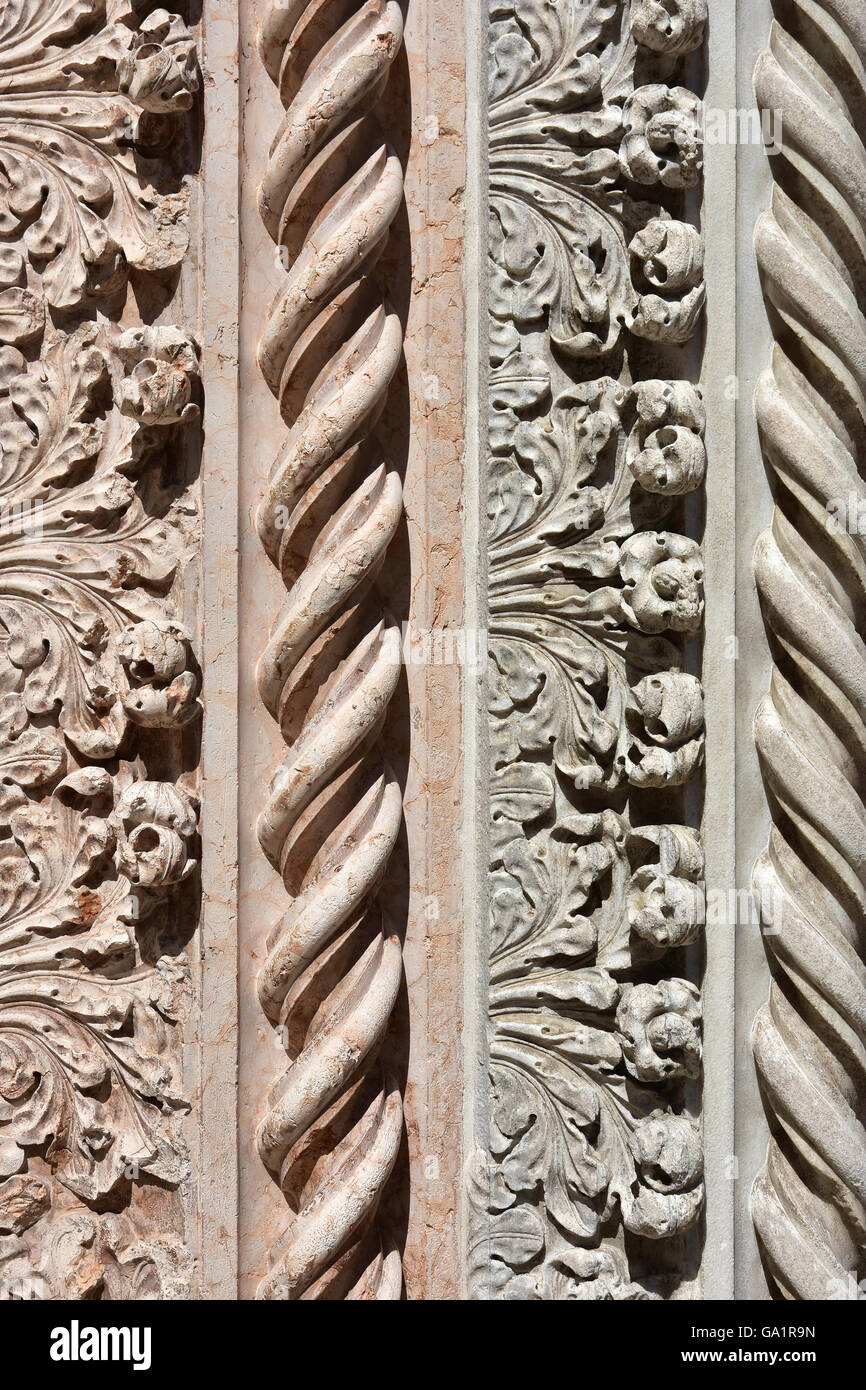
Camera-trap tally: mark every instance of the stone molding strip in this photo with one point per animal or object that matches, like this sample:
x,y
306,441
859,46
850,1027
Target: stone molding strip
x,y
99,684
594,1146
329,352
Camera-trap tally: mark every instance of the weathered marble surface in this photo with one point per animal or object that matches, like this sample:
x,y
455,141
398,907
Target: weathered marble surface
x,y
596,723
99,669
334,962
408,275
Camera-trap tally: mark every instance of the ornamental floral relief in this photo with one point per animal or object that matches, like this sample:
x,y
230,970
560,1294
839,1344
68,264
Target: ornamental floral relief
x,y
99,686
88,89
596,724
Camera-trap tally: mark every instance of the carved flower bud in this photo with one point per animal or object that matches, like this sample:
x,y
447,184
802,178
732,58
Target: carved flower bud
x,y
663,141
157,393
155,653
672,462
666,900
669,26
651,766
160,363
670,403
670,1166
668,1152
160,73
667,454
669,743
659,1027
671,706
155,823
663,578
669,320
167,707
593,1275
668,254
665,912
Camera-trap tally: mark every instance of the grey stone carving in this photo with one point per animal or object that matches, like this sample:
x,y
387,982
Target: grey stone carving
x,y
413,983
808,1201
594,591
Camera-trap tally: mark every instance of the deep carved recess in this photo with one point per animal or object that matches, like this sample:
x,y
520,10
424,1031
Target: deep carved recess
x,y
98,683
595,282
330,351
809,1040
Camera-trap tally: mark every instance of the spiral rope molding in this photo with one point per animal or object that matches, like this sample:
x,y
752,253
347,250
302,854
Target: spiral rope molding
x,y
329,352
809,1200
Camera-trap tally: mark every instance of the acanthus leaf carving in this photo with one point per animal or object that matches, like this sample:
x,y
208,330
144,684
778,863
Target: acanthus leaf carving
x,y
95,525
593,594
76,80
85,1074
83,1256
80,570
572,241
807,1202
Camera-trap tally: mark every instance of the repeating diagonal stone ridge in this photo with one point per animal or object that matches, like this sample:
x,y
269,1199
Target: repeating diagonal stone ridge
x,y
809,1200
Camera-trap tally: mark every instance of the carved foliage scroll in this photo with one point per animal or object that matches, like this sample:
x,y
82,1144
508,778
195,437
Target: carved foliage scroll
x,y
98,681
595,590
331,348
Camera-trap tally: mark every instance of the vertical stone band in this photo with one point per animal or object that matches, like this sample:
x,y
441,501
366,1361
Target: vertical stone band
x,y
593,1148
99,683
330,350
809,1040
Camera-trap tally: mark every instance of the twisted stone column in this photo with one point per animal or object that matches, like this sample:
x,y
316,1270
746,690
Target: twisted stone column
x,y
809,1201
330,670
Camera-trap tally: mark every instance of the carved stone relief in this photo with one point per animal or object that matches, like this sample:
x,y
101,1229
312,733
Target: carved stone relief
x,y
406,987
596,725
330,350
808,1200
98,678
